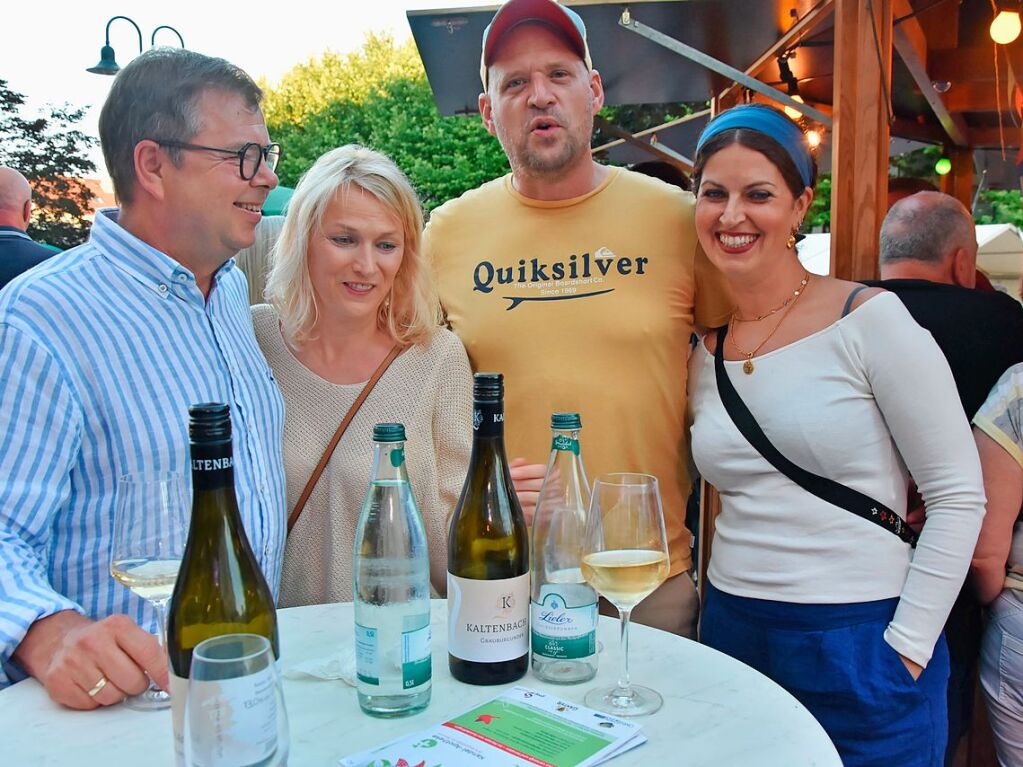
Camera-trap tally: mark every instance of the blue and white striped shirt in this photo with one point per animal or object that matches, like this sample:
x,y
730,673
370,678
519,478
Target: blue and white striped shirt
x,y
102,350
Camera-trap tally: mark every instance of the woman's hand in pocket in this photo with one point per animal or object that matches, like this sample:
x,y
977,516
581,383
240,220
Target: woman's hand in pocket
x,y
915,669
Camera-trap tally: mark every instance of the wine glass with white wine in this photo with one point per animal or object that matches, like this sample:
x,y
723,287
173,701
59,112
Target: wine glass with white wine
x,y
625,558
150,529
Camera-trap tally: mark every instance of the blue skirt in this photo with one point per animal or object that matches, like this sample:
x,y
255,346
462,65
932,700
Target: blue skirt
x,y
833,659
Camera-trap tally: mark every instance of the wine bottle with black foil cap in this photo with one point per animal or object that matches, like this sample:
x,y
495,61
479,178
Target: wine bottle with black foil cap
x,y
220,588
488,556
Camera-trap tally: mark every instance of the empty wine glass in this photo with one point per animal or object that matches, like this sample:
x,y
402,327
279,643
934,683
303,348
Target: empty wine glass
x,y
150,529
234,712
625,558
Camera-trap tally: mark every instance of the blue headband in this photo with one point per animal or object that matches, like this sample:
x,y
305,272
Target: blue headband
x,y
770,122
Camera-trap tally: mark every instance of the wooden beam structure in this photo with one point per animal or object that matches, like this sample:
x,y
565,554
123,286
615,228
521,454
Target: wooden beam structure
x,y
912,48
859,160
667,154
806,24
918,131
991,138
959,181
627,21
976,64
653,131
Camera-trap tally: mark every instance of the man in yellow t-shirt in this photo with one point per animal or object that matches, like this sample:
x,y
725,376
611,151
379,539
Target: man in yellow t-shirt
x,y
580,282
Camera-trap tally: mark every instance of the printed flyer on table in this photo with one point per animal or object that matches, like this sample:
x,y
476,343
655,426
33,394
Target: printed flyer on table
x,y
519,728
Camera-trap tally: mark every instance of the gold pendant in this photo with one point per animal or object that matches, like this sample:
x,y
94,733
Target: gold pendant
x,y
747,366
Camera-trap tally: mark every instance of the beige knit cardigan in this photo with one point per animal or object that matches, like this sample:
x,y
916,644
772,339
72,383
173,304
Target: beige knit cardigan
x,y
429,389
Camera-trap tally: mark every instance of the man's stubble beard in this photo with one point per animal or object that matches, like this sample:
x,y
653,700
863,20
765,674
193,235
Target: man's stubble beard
x,y
523,159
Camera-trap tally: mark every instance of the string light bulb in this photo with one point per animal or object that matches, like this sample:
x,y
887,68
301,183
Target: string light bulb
x,y
792,112
943,166
1006,25
813,138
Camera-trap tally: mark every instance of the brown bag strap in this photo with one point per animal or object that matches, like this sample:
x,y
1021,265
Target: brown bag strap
x,y
329,451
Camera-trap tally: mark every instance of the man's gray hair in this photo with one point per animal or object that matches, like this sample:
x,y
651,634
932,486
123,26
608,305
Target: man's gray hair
x,y
926,226
156,96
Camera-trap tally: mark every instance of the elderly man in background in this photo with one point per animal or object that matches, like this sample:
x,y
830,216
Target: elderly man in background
x,y
928,256
928,259
103,349
17,251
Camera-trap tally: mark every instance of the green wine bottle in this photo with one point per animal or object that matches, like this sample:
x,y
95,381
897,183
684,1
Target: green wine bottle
x,y
488,556
220,588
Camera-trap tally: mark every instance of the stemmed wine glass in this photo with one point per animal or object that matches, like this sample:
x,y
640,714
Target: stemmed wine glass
x,y
150,528
625,557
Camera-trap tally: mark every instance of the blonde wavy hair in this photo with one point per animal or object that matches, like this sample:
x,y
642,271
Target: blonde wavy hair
x,y
412,313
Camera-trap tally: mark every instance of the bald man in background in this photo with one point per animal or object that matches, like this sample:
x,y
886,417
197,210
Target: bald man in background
x,y
928,258
17,251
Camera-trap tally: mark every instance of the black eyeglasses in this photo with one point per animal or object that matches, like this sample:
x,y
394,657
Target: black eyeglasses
x,y
249,156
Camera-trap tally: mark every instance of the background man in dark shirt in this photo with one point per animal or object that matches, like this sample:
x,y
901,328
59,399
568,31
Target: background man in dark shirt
x,y
929,260
17,251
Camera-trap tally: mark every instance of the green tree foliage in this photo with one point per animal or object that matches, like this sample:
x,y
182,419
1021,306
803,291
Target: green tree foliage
x,y
308,89
638,117
994,206
819,216
52,154
999,206
379,97
917,164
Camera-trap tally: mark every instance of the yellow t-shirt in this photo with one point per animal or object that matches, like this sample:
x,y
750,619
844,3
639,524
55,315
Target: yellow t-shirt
x,y
585,305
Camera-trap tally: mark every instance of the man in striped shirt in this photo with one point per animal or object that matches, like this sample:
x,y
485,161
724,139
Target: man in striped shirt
x,y
102,350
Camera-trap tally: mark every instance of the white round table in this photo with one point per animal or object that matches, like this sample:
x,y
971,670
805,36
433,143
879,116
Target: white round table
x,y
717,712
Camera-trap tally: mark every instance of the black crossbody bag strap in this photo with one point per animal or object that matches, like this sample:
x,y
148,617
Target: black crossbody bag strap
x,y
826,489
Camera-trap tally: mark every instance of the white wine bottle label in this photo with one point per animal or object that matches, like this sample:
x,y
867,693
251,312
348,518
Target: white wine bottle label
x,y
407,666
236,720
561,632
488,621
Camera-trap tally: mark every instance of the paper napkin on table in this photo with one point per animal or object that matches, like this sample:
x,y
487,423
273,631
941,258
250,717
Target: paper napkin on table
x,y
340,665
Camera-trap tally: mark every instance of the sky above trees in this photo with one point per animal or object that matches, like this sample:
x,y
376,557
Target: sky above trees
x,y
47,48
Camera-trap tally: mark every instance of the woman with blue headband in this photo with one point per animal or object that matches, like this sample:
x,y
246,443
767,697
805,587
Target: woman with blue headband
x,y
811,408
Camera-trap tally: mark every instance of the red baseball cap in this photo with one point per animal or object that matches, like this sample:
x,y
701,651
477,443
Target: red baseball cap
x,y
516,12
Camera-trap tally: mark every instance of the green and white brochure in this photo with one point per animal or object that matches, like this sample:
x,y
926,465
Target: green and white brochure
x,y
519,728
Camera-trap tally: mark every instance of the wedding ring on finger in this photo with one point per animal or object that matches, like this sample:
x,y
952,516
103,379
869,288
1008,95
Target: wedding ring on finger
x,y
96,688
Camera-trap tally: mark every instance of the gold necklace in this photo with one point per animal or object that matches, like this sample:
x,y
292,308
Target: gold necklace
x,y
795,294
747,366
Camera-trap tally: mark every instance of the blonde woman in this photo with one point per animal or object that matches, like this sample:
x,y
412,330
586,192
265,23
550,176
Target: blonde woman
x,y
346,287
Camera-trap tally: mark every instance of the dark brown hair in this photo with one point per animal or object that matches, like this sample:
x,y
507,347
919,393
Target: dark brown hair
x,y
156,96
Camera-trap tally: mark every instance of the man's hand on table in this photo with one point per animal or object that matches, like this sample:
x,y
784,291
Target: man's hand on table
x,y
527,479
70,654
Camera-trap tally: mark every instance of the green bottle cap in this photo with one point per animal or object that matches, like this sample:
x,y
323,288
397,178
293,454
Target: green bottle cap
x,y
566,421
389,432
